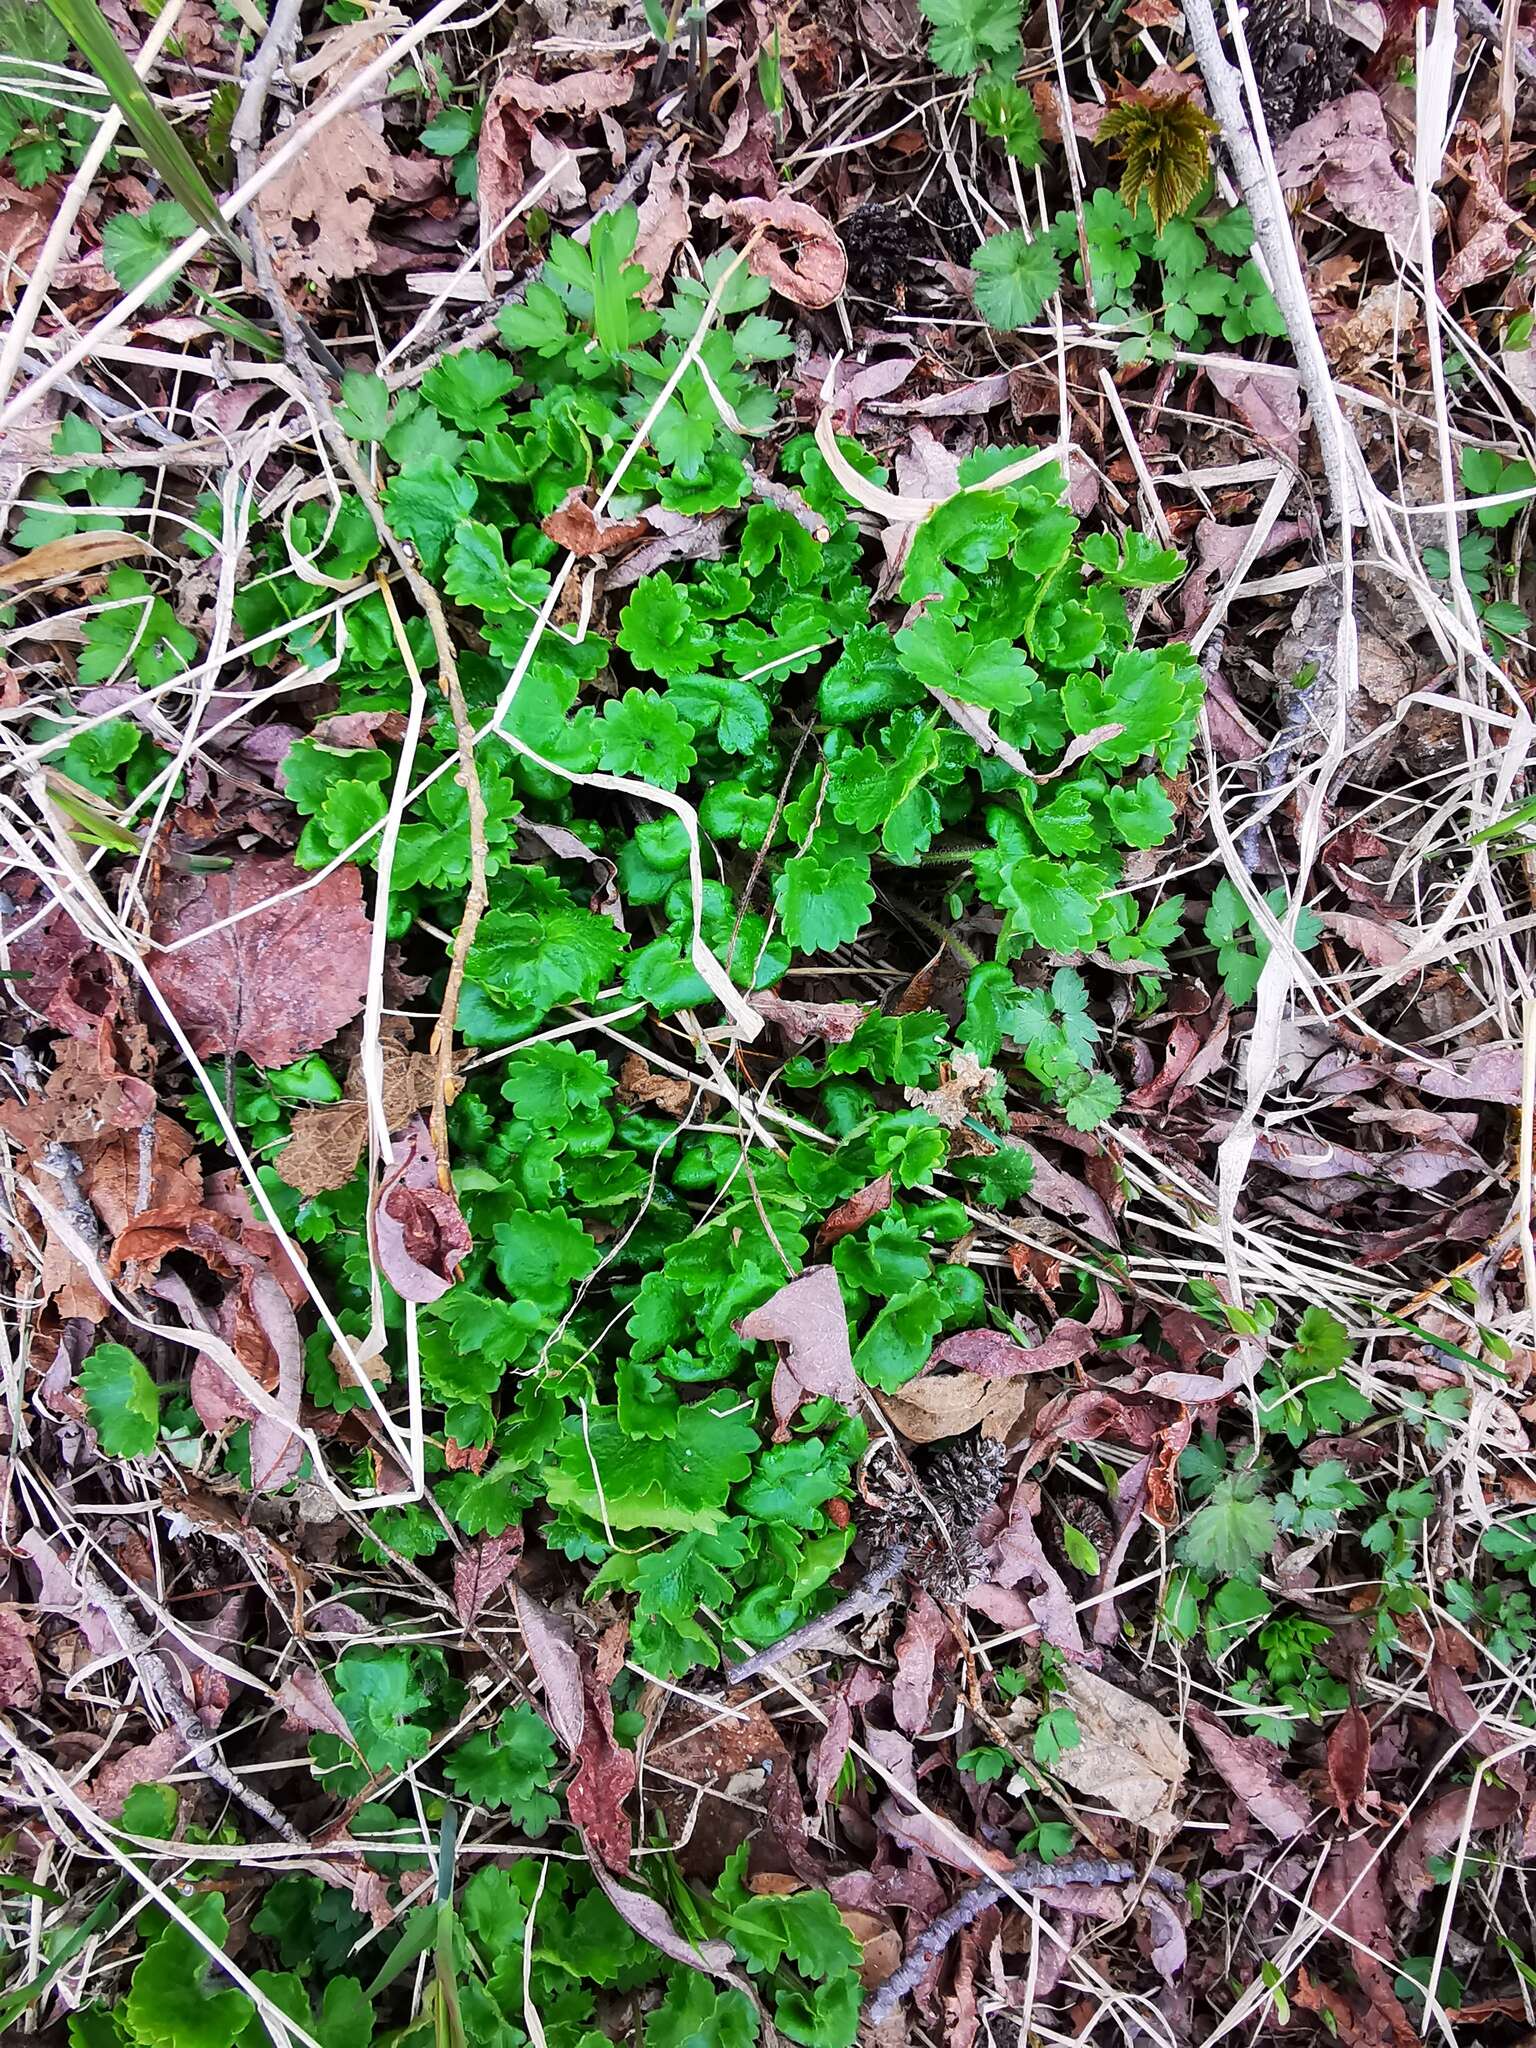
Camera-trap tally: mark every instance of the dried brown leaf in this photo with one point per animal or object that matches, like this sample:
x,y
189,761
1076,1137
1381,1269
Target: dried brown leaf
x,y
306,1701
997,1357
799,251
419,1232
1349,1763
318,211
482,1571
1348,149
665,220
799,1022
577,528
1129,1756
253,987
807,1317
323,1149
860,1208
21,1683
74,554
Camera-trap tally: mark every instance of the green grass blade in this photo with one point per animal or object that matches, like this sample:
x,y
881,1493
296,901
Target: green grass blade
x,y
87,28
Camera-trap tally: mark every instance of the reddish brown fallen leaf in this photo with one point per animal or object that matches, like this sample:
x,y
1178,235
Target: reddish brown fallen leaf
x,y
927,1629
147,1763
418,1232
640,1087
835,1022
59,1594
306,1701
1349,1763
480,1574
280,982
605,1777
714,1764
1348,148
943,1404
1268,401
276,1451
996,1357
1255,1770
576,527
860,1208
1437,1828
21,1683
799,251
1348,1896
807,1317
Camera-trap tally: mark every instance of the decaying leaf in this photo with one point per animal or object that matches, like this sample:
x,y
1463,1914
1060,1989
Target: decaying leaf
x,y
639,1087
318,211
1129,1758
808,1319
419,1231
252,986
1347,148
21,1683
482,1571
73,554
576,527
799,1022
944,1404
994,1356
797,249
664,218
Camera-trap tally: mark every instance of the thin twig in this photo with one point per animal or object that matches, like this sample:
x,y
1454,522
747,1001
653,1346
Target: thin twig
x,y
874,1591
1028,1874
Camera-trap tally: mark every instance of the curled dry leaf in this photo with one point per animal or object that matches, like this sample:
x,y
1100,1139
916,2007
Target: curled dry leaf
x,y
800,1022
1491,235
577,528
997,1357
251,986
306,1701
1129,1756
145,1764
664,219
640,1087
860,1208
798,252
922,1638
419,1233
808,1319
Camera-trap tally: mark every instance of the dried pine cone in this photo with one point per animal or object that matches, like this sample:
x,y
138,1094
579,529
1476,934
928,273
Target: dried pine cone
x,y
937,1519
1300,59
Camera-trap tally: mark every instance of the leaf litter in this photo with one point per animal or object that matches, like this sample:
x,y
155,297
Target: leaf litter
x,y
886,1511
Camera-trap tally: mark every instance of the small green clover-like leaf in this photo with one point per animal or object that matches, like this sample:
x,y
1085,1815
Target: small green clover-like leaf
x,y
824,903
1234,1530
1085,1103
1014,278
470,389
509,1766
379,1695
642,735
178,1997
122,1401
1055,1732
659,632
134,244
138,628
968,34
991,674
364,410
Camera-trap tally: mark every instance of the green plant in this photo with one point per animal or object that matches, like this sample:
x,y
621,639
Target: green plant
x,y
45,122
1165,141
1485,473
1241,947
121,1400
